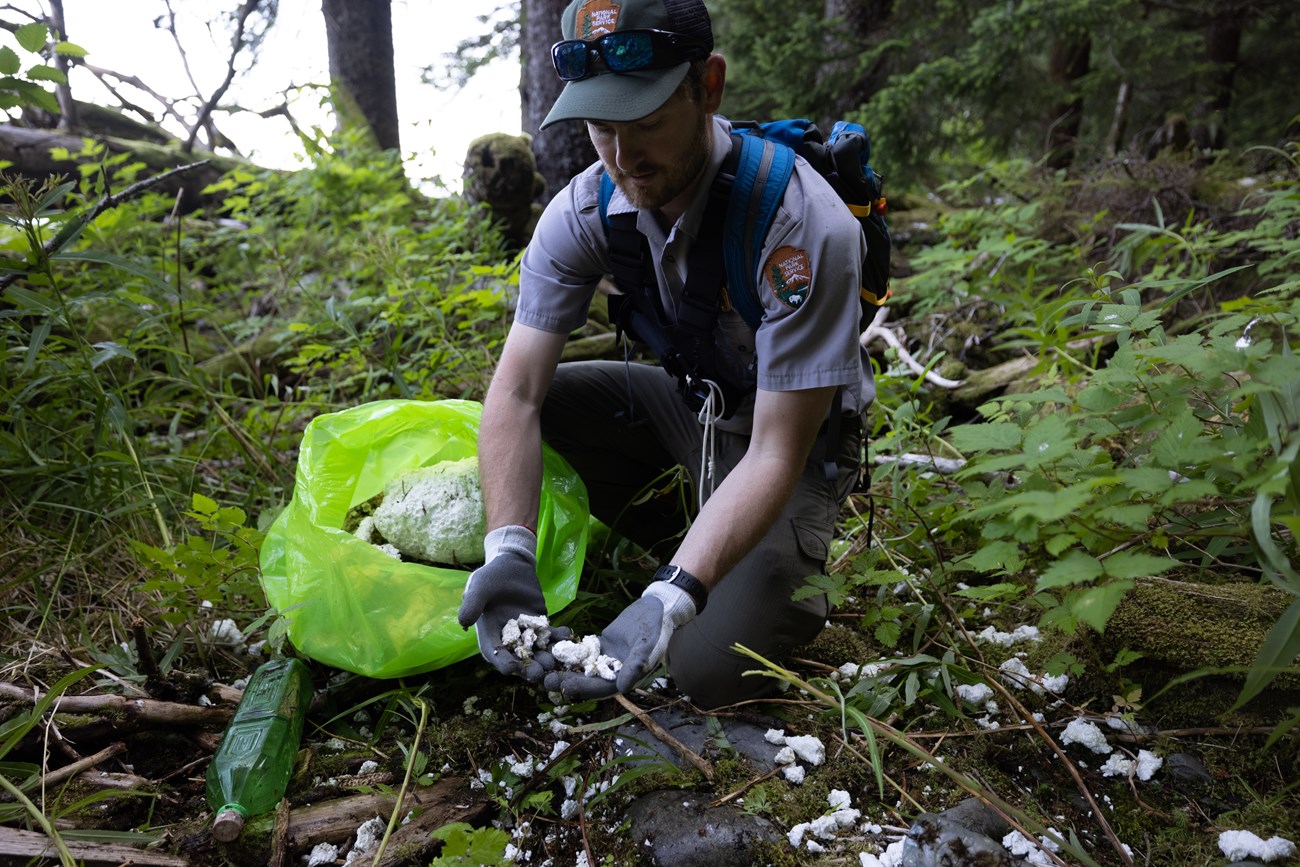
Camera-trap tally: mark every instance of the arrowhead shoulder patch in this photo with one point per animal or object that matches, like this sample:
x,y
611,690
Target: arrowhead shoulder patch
x,y
788,273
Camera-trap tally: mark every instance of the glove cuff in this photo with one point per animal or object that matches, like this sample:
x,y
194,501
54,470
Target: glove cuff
x,y
679,608
510,539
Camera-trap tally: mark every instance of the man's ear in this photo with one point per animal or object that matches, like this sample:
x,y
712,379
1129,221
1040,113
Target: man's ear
x,y
713,82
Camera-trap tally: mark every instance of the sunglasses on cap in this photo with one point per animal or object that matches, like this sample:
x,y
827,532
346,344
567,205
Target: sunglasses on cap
x,y
623,51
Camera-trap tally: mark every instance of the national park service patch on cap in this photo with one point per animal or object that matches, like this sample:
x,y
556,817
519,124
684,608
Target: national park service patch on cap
x,y
788,273
596,18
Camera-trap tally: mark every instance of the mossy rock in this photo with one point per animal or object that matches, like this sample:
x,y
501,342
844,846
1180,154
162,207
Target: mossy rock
x,y
501,172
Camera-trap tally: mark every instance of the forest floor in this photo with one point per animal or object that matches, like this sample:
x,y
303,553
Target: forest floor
x,y
549,783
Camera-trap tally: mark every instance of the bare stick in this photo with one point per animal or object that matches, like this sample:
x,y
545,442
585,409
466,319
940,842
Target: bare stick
x,y
745,787
877,329
660,732
58,775
141,709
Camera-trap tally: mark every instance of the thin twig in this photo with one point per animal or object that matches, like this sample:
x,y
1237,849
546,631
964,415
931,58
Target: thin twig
x,y
53,778
236,45
660,732
1125,858
746,786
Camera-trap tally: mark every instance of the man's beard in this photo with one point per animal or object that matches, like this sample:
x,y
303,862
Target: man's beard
x,y
673,179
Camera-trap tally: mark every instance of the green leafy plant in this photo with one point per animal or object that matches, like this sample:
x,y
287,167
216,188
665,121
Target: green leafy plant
x,y
466,846
19,87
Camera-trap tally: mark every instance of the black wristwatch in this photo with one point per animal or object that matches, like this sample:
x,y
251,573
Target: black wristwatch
x,y
680,578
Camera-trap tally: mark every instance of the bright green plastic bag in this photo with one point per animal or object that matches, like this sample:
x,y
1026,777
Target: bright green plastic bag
x,y
350,605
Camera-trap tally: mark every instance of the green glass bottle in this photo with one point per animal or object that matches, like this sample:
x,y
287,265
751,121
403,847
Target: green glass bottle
x,y
251,769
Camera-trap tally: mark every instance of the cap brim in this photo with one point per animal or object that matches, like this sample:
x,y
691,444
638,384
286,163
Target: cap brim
x,y
616,96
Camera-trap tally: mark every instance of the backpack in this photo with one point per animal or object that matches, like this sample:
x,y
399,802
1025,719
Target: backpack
x,y
743,202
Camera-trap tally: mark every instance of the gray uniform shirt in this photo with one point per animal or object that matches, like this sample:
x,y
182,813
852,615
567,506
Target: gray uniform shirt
x,y
809,274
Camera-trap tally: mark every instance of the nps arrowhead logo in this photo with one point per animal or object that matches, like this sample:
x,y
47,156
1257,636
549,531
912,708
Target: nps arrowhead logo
x,y
788,273
596,18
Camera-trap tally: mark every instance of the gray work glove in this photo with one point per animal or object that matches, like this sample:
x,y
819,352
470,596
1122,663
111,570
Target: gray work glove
x,y
638,638
504,587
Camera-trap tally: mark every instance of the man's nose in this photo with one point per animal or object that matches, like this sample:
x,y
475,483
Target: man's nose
x,y
628,152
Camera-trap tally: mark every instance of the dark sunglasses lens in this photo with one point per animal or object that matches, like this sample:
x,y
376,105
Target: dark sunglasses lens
x,y
570,59
628,52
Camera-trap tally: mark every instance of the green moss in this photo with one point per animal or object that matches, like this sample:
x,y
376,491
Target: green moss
x,y
836,645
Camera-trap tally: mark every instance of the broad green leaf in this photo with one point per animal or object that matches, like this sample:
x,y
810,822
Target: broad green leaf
x,y
10,63
985,437
32,36
1136,564
70,49
996,556
1048,440
1145,480
888,633
1077,567
991,591
41,72
203,505
1095,605
1060,543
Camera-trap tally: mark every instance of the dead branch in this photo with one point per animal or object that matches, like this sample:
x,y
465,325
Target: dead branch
x,y
144,710
877,329
236,45
447,800
55,777
167,104
31,845
660,732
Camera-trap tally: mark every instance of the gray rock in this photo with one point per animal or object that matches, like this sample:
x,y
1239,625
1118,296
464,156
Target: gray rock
x,y
701,733
975,815
676,828
934,841
1185,768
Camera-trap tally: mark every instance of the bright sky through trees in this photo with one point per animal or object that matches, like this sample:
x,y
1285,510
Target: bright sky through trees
x,y
437,126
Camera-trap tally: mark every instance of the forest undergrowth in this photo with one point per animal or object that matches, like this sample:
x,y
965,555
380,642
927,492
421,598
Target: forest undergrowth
x,y
1070,589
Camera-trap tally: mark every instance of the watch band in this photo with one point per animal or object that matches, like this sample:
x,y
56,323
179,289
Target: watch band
x,y
680,578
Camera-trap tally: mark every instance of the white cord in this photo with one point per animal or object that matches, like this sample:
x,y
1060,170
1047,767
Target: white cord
x,y
707,416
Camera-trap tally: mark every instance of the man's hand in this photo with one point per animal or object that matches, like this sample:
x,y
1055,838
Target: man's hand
x,y
504,587
638,638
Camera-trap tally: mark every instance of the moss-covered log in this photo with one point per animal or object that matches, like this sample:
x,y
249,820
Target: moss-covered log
x,y
32,154
1181,628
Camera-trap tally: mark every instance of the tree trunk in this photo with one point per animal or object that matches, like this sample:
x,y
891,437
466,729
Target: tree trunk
x,y
564,149
360,37
842,75
1068,65
1222,53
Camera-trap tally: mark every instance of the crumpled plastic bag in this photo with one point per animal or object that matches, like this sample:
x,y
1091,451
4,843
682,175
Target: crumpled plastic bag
x,y
352,606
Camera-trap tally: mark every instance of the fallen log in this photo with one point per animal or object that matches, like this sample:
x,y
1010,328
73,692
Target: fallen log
x,y
29,845
39,153
429,807
144,710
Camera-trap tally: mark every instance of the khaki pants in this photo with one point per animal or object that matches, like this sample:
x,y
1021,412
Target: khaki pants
x,y
623,427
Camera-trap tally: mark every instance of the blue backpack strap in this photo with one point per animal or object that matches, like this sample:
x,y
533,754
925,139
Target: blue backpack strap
x,y
763,169
606,193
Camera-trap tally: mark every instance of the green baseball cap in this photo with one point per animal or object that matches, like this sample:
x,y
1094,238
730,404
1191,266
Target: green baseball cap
x,y
624,96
